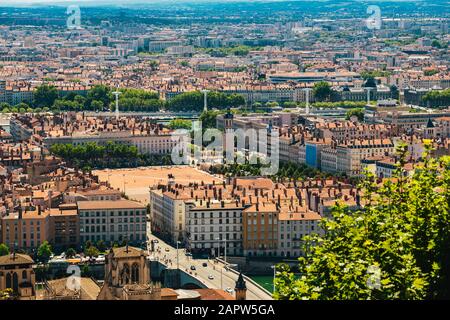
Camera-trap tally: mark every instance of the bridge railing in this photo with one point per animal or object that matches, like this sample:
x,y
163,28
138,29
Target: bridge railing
x,y
245,277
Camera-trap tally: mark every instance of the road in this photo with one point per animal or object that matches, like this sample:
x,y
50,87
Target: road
x,y
221,278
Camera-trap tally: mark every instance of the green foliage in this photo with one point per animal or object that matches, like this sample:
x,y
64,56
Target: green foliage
x,y
45,95
110,155
91,252
208,119
436,98
229,51
100,93
355,112
70,253
180,124
322,91
44,252
430,72
286,170
374,74
340,104
403,231
101,245
193,101
6,294
85,271
4,250
436,44
139,100
370,83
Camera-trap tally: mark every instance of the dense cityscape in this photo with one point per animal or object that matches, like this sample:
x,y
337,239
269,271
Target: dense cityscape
x,y
196,150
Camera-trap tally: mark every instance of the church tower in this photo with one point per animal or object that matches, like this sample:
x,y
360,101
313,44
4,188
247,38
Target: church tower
x,y
240,288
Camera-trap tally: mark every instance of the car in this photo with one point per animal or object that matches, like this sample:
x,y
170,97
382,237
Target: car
x,y
193,268
211,277
155,241
167,249
204,264
188,254
229,290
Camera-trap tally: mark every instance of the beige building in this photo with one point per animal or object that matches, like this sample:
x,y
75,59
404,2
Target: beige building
x,y
112,221
350,154
26,230
16,273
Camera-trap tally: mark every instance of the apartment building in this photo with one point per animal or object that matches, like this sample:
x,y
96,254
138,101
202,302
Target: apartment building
x,y
260,229
26,229
213,225
112,221
65,226
293,225
347,130
350,154
168,212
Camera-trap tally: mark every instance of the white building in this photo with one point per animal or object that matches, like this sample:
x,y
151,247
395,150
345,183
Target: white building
x,y
112,221
213,225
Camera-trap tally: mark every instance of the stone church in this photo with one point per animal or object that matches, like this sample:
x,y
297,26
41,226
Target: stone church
x,y
127,276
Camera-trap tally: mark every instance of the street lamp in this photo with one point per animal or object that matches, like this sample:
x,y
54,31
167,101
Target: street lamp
x,y
225,253
274,267
178,263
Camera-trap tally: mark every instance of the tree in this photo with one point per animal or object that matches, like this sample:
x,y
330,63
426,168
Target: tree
x,y
70,253
99,93
153,65
396,247
6,294
180,124
370,83
322,91
101,245
208,119
45,95
358,112
97,105
91,252
44,252
4,250
394,92
436,44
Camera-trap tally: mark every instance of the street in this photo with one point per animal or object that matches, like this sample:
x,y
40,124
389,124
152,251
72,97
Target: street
x,y
221,278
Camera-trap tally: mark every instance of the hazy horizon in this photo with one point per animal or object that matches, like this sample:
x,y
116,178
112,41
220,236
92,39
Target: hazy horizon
x,y
43,2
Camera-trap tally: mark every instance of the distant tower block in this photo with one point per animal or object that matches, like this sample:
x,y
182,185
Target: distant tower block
x,y
117,93
307,91
205,100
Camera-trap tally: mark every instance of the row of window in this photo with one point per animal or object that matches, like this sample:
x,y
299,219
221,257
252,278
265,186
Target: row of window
x,y
112,228
111,213
219,214
112,238
213,222
112,220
